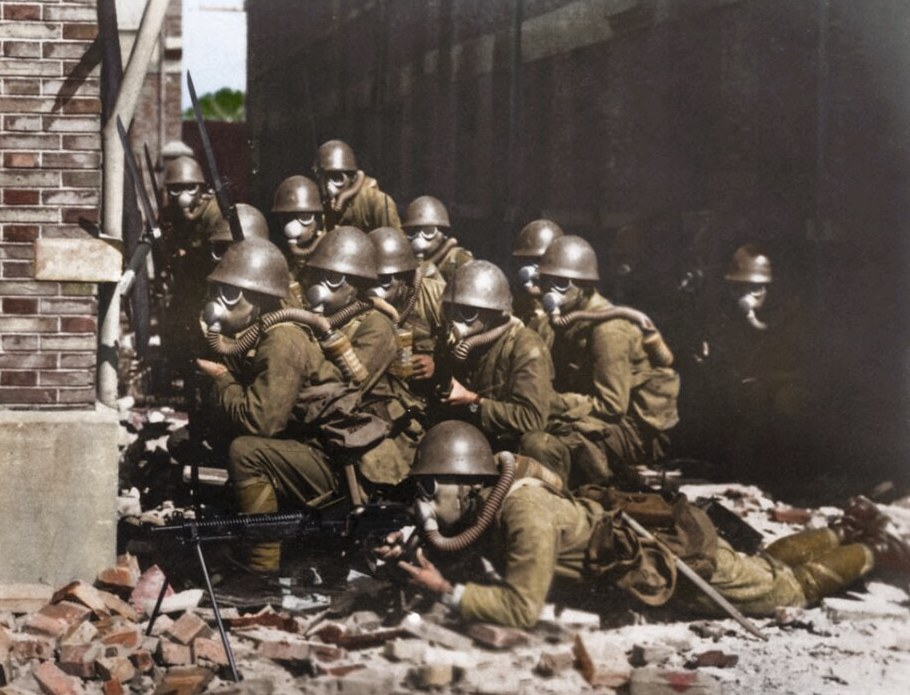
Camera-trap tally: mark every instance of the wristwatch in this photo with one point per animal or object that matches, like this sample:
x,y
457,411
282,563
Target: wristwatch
x,y
475,406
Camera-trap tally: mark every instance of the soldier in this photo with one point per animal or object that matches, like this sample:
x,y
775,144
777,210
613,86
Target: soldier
x,y
417,299
748,397
426,222
617,393
530,245
293,418
535,534
350,197
297,208
497,372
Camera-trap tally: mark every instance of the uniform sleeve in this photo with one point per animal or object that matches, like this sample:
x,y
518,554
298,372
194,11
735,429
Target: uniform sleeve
x,y
375,343
528,537
264,406
526,405
611,352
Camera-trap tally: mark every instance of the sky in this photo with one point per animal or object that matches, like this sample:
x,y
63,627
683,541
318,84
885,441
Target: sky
x,y
214,45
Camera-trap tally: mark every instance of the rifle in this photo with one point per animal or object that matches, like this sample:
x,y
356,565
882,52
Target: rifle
x,y
152,230
359,527
222,194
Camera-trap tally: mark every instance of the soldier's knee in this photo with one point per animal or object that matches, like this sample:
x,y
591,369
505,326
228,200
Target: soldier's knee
x,y
242,458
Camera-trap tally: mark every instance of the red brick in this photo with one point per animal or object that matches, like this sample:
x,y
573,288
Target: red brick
x,y
70,612
60,378
210,650
18,251
18,379
83,593
15,196
71,160
19,360
22,12
117,606
20,305
77,324
20,232
82,142
30,141
25,88
83,633
115,668
25,647
61,49
20,160
70,124
19,342
113,687
75,215
25,105
25,395
174,654
88,105
79,659
143,660
53,681
186,681
41,624
76,32
69,13
188,627
22,49
122,635
14,269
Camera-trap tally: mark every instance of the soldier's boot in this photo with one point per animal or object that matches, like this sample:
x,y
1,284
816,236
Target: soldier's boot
x,y
803,546
861,519
830,573
257,496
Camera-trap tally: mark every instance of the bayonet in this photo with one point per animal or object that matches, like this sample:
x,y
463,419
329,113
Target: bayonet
x,y
152,231
159,200
222,195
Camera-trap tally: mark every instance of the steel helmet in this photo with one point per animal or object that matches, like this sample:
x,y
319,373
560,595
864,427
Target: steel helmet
x,y
426,211
297,194
394,253
183,170
346,250
749,264
256,265
534,239
479,284
176,148
454,447
335,155
570,257
252,222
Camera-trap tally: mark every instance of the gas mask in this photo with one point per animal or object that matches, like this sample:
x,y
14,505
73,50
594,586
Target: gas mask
x,y
300,230
217,249
448,502
425,240
463,322
328,291
228,310
333,183
529,277
750,297
560,295
393,288
187,198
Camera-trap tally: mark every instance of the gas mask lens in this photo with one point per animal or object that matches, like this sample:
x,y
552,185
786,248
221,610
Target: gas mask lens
x,y
228,294
331,279
465,314
218,249
560,285
426,488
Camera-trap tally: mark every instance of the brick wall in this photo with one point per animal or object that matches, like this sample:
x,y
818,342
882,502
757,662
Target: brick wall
x,y
50,184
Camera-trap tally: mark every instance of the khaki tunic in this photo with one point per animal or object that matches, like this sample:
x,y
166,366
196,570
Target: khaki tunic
x,y
369,209
425,320
451,261
513,377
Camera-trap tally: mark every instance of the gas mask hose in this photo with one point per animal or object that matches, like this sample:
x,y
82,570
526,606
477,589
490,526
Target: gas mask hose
x,y
352,190
463,348
658,351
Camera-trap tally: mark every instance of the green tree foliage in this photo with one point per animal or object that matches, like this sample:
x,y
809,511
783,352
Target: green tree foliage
x,y
224,105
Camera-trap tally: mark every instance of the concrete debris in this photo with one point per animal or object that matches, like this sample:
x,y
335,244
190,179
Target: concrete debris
x,y
601,660
497,636
656,681
432,676
418,627
703,628
845,609
24,598
645,654
715,658
552,663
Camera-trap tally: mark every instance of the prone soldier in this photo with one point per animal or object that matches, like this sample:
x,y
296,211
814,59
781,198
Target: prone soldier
x,y
536,535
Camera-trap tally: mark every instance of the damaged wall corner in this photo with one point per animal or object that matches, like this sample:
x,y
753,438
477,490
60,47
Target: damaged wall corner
x,y
58,498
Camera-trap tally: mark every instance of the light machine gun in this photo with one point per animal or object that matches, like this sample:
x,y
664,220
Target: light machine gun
x,y
355,528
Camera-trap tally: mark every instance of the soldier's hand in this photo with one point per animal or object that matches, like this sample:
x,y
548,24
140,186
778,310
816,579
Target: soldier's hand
x,y
426,575
423,366
459,395
392,549
210,368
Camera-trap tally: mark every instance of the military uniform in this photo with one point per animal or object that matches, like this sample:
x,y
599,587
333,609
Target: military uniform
x,y
368,209
272,403
425,319
446,261
540,534
513,377
613,407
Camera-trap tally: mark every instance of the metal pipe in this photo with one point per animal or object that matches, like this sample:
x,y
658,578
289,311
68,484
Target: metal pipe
x,y
112,186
